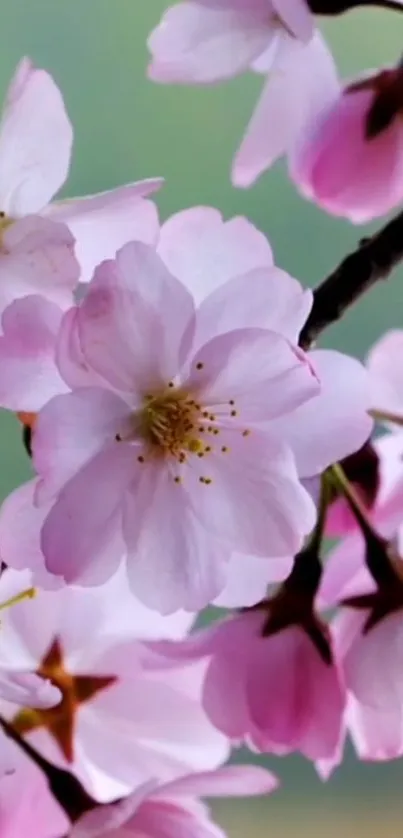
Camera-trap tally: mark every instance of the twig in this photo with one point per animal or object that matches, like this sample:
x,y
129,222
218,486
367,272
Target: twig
x,y
373,261
67,790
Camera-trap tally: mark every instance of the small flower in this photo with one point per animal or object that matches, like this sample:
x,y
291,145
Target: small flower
x,y
87,646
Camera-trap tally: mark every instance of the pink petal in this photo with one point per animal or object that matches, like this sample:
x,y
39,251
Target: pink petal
x,y
306,710
204,251
123,336
297,17
333,424
254,503
200,42
248,578
69,354
229,781
101,224
35,142
301,84
173,560
20,526
70,430
28,690
385,369
38,259
266,298
257,369
81,540
28,373
354,178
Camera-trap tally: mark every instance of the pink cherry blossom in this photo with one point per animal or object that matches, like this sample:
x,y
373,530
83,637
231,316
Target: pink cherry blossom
x,y
275,692
346,162
242,491
108,729
35,149
173,809
200,42
26,804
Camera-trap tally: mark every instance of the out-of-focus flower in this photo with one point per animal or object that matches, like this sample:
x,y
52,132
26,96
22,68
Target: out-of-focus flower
x,y
350,158
108,728
174,809
279,692
200,42
35,148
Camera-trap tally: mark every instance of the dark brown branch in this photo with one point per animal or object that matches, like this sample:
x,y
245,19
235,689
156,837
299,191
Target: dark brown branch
x,y
67,790
373,261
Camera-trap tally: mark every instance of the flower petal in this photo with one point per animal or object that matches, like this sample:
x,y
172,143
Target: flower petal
x,y
28,373
260,371
303,81
101,224
204,251
173,561
266,298
81,537
200,42
333,424
70,430
35,142
254,502
122,334
39,259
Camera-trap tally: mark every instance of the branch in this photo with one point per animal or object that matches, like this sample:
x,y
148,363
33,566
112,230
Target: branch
x,y
67,790
373,260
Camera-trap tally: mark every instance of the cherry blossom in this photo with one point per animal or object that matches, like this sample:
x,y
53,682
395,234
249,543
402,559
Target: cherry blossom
x,y
35,149
350,159
141,447
199,42
166,811
108,729
245,661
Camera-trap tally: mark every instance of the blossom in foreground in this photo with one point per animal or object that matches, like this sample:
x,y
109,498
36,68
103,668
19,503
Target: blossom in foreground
x,y
35,148
26,805
350,159
184,449
108,728
177,444
278,692
200,42
174,809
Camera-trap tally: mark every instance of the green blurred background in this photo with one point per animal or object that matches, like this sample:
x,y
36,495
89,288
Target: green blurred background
x,y
127,128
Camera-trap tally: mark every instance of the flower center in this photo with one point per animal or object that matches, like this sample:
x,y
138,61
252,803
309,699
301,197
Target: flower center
x,y
170,423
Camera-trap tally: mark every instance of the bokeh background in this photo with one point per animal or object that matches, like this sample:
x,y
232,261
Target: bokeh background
x,y
127,128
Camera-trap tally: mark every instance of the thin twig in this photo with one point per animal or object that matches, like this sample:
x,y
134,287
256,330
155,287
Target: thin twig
x,y
373,261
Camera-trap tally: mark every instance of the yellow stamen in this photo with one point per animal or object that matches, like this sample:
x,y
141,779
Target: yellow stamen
x,y
14,600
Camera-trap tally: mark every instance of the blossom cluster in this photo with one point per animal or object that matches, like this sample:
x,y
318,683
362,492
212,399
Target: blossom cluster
x,y
191,448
